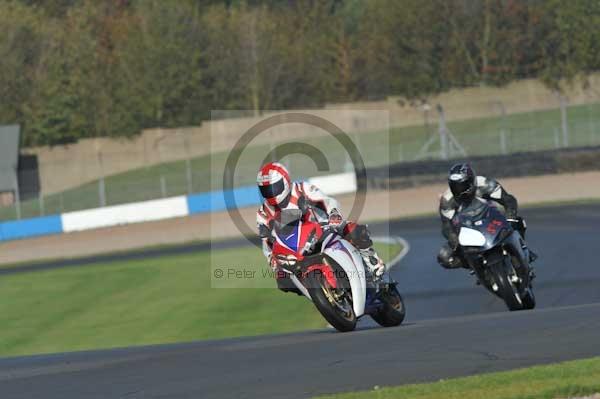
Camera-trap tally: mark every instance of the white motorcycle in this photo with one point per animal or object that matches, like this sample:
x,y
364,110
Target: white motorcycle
x,y
330,272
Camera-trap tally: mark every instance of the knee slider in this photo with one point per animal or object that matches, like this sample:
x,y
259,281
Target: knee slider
x,y
447,258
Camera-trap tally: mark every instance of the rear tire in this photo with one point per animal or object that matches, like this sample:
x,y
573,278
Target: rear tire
x,y
321,292
393,312
506,289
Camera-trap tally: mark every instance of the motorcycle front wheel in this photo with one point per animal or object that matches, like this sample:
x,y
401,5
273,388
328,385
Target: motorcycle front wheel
x,y
501,273
528,299
335,305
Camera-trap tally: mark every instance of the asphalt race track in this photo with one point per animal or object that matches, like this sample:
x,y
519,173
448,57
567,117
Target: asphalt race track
x,y
453,328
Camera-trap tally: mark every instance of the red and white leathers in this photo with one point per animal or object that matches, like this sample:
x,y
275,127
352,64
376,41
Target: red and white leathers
x,y
320,208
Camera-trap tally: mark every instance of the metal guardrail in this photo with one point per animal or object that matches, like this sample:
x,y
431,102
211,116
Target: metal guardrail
x,y
418,173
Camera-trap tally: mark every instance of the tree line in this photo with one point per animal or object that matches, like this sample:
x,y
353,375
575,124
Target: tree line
x,y
73,69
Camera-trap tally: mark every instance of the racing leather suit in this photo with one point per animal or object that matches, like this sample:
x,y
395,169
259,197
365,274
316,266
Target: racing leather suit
x,y
488,189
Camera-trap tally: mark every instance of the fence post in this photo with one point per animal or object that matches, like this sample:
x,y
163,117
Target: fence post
x,y
17,195
591,121
42,205
426,123
503,138
443,132
188,164
102,192
163,186
556,138
101,184
563,118
503,144
189,177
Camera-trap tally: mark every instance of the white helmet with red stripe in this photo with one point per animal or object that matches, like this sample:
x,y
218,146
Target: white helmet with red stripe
x,y
274,183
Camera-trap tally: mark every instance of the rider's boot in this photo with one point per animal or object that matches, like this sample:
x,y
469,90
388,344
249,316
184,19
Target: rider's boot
x,y
532,255
373,262
532,274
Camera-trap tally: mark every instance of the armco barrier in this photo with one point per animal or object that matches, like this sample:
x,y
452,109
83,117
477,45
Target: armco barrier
x,y
214,201
146,211
153,210
412,174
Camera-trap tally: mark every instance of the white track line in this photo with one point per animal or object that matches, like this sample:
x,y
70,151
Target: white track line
x,y
395,240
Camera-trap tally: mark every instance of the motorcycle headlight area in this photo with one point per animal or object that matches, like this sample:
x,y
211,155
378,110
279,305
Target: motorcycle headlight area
x,y
470,238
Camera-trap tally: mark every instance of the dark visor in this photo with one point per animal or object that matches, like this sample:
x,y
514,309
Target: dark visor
x,y
460,187
272,190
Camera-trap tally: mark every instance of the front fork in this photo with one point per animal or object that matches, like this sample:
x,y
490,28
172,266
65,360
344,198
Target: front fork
x,y
376,289
514,248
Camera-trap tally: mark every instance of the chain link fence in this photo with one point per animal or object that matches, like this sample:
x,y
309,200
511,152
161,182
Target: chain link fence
x,y
574,126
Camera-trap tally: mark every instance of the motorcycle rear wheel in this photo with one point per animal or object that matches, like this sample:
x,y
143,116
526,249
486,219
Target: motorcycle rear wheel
x,y
393,312
336,309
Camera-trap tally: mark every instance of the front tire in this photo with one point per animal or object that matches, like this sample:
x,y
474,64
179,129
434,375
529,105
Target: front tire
x,y
528,299
506,289
335,308
393,311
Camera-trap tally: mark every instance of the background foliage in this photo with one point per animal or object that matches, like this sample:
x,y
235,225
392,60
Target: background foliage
x,y
71,69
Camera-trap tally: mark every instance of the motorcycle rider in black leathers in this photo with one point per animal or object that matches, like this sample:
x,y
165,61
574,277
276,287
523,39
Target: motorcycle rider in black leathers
x,y
464,186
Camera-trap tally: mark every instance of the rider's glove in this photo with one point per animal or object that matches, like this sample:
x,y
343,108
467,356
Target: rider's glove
x,y
302,204
335,218
379,269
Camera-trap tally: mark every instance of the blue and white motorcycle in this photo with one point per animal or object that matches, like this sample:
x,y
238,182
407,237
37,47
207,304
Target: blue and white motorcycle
x,y
496,253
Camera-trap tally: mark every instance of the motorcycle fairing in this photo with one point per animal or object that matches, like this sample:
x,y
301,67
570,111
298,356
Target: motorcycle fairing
x,y
290,238
482,226
326,270
349,259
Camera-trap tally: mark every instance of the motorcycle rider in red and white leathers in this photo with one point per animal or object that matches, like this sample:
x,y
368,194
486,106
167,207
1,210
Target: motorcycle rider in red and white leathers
x,y
280,192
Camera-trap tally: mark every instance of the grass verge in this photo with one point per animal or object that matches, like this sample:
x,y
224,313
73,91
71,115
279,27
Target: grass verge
x,y
561,380
142,302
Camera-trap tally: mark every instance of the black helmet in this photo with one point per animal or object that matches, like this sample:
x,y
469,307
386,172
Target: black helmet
x,y
461,180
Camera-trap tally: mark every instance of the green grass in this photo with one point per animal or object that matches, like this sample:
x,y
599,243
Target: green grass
x,y
563,380
529,131
162,300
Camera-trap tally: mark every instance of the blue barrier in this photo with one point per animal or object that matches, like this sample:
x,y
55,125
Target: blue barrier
x,y
214,201
30,227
